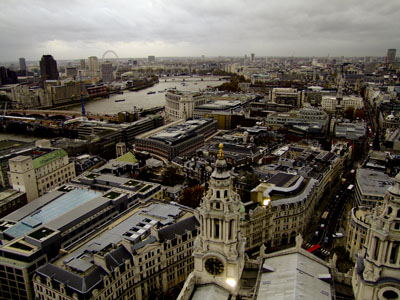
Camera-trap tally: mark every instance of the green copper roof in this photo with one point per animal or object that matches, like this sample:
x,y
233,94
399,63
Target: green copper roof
x,y
127,157
48,158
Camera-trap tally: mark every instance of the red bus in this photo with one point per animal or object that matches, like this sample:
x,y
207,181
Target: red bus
x,y
314,248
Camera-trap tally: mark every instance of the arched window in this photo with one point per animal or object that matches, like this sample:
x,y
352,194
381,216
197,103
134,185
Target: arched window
x,y
216,231
218,194
225,194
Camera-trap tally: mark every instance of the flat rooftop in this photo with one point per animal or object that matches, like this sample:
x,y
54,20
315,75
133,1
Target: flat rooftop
x,y
61,204
372,182
136,228
303,278
179,131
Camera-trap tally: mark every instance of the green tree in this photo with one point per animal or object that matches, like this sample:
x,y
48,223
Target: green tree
x,y
192,196
171,177
359,114
145,174
349,113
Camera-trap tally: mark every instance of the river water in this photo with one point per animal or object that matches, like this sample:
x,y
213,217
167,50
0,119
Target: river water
x,y
141,99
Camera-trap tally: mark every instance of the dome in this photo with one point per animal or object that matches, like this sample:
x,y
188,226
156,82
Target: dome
x,y
221,167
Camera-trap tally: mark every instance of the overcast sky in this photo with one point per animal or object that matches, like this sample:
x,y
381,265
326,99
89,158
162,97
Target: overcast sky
x,y
137,28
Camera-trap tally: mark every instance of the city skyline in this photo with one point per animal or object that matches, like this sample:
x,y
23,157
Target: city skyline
x,y
188,28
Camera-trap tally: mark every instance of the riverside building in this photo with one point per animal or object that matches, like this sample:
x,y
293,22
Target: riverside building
x,y
177,139
35,176
181,104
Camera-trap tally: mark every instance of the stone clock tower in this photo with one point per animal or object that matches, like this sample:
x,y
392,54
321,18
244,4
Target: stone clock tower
x,y
377,272
219,248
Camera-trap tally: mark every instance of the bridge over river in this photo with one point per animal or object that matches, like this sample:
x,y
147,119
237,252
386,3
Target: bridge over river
x,y
58,114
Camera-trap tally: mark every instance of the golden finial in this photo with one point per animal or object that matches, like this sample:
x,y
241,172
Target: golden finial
x,y
221,153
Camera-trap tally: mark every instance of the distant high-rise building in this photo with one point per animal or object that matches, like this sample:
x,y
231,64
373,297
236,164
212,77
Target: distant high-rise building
x,y
107,72
151,59
253,57
82,62
22,64
48,68
93,63
390,56
7,76
71,71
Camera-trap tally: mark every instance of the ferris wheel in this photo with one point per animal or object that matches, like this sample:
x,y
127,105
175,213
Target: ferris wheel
x,y
112,52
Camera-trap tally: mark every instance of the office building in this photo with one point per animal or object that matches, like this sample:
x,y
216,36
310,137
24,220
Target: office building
x,y
308,119
151,59
141,256
377,270
56,222
48,68
176,139
36,176
107,72
22,65
93,64
71,72
370,187
8,76
390,56
82,64
181,104
332,104
287,96
11,200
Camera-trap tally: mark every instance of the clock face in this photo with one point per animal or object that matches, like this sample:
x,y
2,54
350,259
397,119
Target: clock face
x,y
214,266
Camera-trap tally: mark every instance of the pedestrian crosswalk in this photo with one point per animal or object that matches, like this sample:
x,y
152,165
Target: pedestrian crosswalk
x,y
325,252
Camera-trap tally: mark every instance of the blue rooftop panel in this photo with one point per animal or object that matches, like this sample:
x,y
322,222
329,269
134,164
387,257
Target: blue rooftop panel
x,y
51,211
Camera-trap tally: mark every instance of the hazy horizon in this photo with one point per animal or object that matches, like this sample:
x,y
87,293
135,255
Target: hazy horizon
x,y
176,28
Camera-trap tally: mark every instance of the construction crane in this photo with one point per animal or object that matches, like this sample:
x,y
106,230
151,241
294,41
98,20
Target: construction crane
x,y
82,98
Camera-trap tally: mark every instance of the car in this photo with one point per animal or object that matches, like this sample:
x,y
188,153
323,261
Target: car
x,y
337,235
326,240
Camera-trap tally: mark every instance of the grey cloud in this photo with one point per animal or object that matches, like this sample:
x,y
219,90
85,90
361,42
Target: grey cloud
x,y
224,27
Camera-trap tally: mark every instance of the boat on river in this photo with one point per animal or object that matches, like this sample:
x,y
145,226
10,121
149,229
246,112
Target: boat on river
x,y
150,93
119,100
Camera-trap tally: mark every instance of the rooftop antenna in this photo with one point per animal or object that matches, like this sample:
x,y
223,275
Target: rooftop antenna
x,y
82,98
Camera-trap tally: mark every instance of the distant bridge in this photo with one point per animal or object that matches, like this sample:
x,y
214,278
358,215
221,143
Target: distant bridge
x,y
58,114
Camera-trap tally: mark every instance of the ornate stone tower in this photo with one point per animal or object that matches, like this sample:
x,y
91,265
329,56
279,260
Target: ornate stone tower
x,y
377,272
219,248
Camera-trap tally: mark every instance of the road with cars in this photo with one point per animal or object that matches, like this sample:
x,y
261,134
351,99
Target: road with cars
x,y
328,227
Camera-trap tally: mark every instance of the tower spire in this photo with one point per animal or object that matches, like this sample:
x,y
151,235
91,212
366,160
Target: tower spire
x,y
219,248
221,152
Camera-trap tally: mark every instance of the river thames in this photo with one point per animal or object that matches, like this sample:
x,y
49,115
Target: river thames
x,y
141,99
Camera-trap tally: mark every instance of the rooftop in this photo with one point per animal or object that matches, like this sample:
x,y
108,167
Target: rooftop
x,y
59,206
373,182
302,278
48,158
174,133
